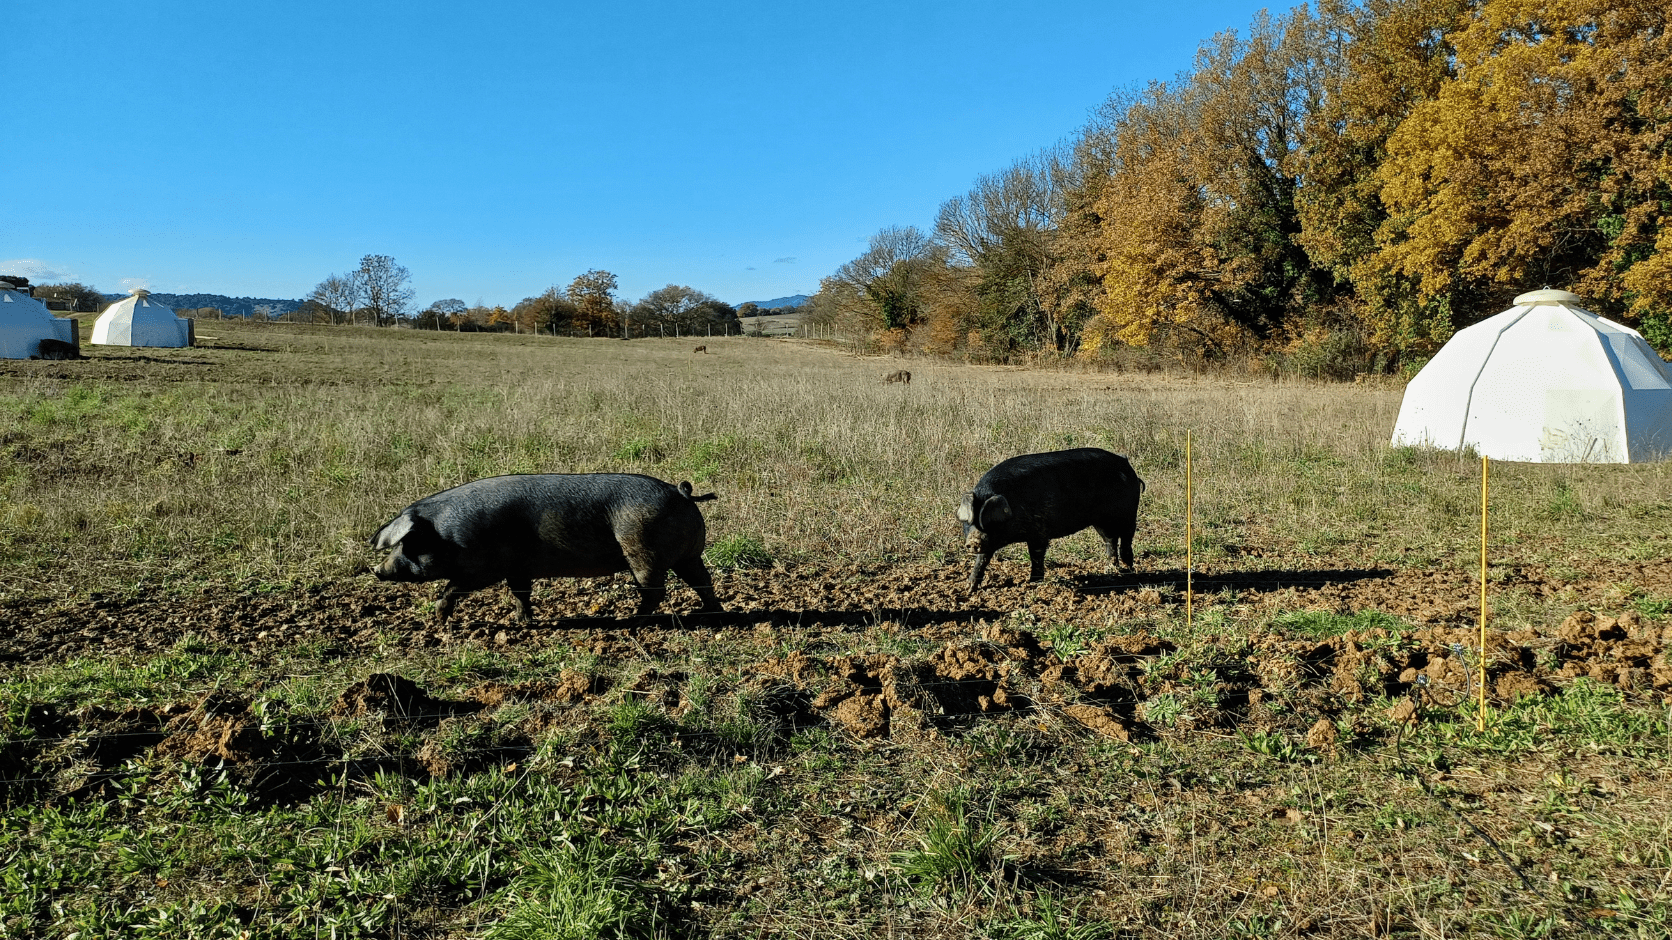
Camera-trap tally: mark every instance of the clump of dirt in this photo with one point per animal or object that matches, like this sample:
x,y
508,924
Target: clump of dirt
x,y
1625,651
387,695
571,688
1228,680
863,694
1101,720
220,728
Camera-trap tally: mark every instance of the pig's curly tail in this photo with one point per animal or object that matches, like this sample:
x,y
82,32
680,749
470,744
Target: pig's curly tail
x,y
685,491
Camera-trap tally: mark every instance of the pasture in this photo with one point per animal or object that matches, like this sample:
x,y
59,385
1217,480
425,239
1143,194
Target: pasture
x,y
215,723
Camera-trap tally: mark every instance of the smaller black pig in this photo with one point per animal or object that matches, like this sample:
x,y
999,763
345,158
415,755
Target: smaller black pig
x,y
1035,498
549,525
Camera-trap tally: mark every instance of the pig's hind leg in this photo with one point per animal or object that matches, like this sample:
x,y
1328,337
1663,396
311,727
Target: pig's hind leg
x,y
1118,540
522,594
1036,560
652,583
693,572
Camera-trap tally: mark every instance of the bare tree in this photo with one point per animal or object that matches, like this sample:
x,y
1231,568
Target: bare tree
x,y
339,295
1023,202
385,287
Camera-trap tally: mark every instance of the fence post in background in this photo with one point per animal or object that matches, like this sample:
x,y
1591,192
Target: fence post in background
x,y
1189,549
1485,464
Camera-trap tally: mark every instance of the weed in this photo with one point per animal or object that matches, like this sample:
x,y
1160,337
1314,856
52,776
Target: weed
x,y
637,450
578,892
738,551
633,718
1164,710
1048,921
1274,745
1321,624
955,849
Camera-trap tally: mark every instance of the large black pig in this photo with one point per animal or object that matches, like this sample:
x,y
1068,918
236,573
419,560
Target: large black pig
x,y
1035,498
549,525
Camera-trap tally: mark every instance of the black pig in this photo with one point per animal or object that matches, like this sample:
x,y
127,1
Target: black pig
x,y
549,525
1035,498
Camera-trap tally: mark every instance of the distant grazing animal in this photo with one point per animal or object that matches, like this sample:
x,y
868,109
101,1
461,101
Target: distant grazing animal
x,y
56,349
900,376
700,349
1035,498
549,525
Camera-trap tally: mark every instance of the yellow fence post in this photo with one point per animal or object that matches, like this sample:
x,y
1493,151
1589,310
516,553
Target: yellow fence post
x,y
1484,471
1189,553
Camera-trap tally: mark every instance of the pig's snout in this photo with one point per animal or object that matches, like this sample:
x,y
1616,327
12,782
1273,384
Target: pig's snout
x,y
390,569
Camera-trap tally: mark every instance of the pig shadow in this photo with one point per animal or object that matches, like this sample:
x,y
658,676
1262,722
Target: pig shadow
x,y
1261,581
784,617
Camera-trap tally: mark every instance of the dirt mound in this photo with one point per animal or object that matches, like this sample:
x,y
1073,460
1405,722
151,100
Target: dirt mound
x,y
384,694
1221,682
571,688
220,728
1624,651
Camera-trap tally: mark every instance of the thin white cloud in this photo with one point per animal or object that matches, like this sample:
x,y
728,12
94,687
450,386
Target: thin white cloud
x,y
789,260
36,270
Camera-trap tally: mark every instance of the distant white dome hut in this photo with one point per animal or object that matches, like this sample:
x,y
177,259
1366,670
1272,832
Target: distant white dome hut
x,y
136,320
1546,382
25,321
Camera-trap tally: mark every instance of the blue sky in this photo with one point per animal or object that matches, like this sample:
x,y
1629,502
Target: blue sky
x,y
498,148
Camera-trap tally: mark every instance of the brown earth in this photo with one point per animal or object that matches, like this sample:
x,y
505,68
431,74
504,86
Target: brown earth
x,y
989,654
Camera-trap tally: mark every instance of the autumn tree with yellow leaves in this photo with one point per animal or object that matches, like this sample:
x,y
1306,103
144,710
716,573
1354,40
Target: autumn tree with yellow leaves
x,y
1542,162
1354,181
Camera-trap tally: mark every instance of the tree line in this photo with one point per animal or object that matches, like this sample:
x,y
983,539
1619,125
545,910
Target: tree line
x,y
1340,188
378,294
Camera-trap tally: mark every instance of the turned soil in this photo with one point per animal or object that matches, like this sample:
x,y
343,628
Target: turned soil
x,y
974,655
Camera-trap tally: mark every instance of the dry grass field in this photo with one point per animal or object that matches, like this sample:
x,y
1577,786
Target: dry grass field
x,y
214,723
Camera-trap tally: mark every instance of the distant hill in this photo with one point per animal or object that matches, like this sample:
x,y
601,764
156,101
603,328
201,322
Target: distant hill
x,y
794,300
228,306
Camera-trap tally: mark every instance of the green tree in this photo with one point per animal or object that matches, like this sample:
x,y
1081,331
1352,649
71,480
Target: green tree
x,y
1398,54
883,290
593,295
83,298
676,308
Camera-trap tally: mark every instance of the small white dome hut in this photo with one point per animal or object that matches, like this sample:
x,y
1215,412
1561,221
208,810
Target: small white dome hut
x,y
1546,382
135,320
25,321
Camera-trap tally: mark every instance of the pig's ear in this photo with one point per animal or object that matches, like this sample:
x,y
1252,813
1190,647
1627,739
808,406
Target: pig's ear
x,y
966,509
993,512
413,532
392,532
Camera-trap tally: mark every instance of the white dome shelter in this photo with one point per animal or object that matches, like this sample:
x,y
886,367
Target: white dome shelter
x,y
137,321
1546,382
25,321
